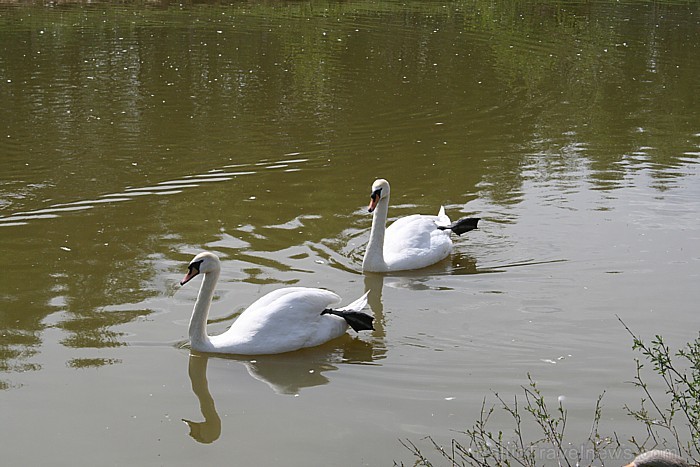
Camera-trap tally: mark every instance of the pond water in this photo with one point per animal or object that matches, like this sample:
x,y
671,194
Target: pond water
x,y
134,136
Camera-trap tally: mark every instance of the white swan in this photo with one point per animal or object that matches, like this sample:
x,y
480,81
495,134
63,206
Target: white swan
x,y
658,458
412,242
284,320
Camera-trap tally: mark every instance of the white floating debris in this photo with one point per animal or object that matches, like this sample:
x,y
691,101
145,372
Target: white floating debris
x,y
65,248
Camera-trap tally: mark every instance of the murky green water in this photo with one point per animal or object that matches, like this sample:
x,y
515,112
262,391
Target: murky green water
x,y
133,136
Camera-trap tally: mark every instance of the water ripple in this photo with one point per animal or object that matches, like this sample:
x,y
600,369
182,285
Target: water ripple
x,y
166,187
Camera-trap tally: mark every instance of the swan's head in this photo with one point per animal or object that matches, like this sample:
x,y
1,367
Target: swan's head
x,y
380,189
204,263
204,432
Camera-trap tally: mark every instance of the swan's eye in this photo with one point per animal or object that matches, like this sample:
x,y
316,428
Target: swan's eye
x,y
376,194
194,265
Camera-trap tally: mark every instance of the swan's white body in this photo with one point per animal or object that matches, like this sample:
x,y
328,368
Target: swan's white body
x,y
411,242
282,321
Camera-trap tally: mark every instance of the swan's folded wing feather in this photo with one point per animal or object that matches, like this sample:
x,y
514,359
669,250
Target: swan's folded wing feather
x,y
281,321
410,232
414,242
442,219
357,305
324,298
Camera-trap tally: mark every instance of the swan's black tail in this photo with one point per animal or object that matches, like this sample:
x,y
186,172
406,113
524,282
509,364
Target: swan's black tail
x,y
356,319
461,226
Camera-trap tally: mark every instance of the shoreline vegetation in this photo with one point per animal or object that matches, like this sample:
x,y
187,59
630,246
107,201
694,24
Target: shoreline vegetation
x,y
537,436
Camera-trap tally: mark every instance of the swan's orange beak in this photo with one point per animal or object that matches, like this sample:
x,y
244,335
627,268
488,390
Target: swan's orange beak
x,y
373,204
193,271
374,200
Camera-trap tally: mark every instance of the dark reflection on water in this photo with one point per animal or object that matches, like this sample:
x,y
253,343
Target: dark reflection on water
x,y
208,430
291,372
285,374
130,132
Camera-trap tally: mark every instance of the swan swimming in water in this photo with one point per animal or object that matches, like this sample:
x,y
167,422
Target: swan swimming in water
x,y
284,320
411,242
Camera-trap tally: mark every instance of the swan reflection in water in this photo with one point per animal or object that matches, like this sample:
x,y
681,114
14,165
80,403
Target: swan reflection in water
x,y
285,374
209,430
424,279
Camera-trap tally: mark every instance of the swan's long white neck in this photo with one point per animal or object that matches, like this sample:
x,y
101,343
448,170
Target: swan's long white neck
x,y
199,339
374,254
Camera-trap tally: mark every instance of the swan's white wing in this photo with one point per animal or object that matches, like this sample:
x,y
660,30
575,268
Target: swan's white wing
x,y
411,233
357,305
442,217
324,298
284,320
414,242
